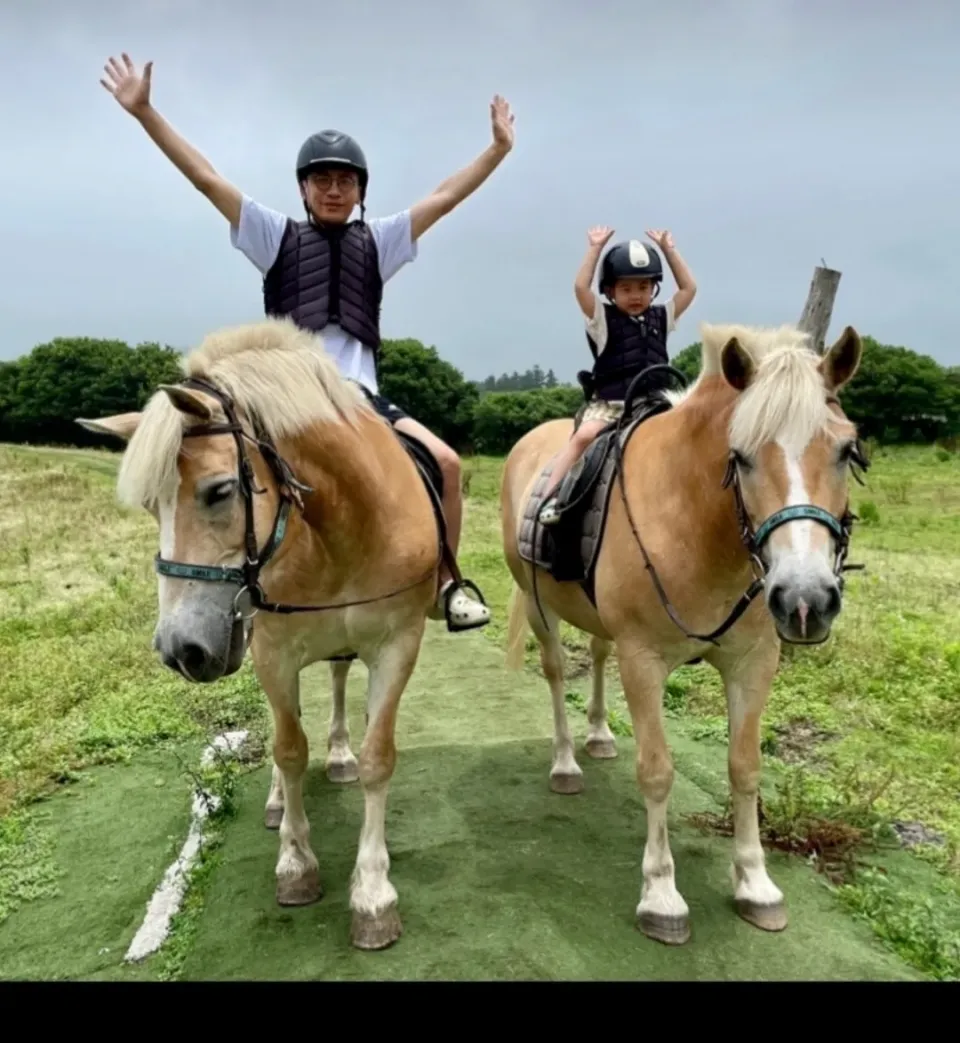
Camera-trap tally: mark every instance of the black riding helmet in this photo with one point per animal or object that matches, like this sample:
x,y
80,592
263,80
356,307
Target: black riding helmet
x,y
329,148
631,259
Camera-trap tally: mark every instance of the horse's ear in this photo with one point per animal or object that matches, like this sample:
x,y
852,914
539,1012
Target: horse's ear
x,y
840,364
188,401
737,366
122,425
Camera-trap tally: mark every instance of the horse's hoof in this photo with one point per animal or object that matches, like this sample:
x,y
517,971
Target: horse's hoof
x,y
565,783
766,917
375,931
671,930
272,817
343,771
300,890
601,749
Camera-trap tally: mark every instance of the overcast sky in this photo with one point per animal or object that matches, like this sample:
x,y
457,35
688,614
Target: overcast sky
x,y
766,134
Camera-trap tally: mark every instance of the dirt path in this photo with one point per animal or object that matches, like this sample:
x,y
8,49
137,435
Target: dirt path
x,y
498,878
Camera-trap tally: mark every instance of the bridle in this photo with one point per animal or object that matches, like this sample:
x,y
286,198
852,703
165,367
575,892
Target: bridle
x,y
290,490
752,538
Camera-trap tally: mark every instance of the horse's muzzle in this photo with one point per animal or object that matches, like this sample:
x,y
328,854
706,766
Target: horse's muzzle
x,y
804,614
202,654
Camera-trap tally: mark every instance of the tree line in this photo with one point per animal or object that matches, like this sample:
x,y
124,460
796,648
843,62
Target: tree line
x,y
897,396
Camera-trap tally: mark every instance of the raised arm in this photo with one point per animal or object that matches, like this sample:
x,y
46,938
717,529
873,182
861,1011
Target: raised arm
x,y
132,92
596,240
686,287
455,189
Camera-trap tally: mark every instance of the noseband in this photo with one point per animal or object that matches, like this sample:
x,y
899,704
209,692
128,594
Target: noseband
x,y
752,538
247,575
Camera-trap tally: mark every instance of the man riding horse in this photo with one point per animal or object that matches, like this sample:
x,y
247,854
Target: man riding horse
x,y
327,272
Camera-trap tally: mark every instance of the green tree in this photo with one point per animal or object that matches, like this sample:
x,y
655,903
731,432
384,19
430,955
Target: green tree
x,y
503,417
42,393
899,395
688,361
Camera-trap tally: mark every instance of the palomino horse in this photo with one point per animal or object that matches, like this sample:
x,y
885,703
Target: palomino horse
x,y
763,417
261,419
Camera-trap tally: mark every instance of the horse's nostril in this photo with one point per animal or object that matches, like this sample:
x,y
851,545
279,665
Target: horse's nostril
x,y
776,600
832,601
193,657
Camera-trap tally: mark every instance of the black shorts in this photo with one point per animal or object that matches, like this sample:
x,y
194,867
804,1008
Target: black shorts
x,y
383,406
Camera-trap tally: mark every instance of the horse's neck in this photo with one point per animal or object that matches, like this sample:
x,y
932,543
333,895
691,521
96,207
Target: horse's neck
x,y
346,514
700,451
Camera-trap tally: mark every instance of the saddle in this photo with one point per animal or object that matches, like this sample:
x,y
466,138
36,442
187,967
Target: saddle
x,y
429,471
568,550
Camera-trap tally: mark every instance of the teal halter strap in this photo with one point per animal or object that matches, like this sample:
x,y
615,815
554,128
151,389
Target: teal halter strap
x,y
803,510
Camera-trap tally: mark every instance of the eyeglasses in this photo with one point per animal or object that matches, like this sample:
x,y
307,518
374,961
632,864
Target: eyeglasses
x,y
325,181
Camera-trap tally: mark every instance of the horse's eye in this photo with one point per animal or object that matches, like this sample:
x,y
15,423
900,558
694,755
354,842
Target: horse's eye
x,y
220,492
741,460
850,451
852,455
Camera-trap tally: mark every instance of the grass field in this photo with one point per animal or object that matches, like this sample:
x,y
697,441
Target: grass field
x,y
861,734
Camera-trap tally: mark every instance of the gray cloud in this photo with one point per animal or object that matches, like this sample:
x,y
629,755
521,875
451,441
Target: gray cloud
x,y
764,134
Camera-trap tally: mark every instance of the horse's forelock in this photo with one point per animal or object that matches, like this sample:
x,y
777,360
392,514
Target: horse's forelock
x,y
148,471
272,369
785,400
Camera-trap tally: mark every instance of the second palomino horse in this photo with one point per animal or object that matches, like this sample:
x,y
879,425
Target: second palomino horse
x,y
677,519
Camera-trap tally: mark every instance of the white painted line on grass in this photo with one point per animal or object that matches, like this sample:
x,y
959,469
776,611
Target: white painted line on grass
x,y
169,893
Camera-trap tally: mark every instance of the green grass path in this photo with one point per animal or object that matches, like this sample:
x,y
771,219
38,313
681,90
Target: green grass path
x,y
498,878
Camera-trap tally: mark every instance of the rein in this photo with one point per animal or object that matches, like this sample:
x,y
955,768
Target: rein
x,y
247,575
752,539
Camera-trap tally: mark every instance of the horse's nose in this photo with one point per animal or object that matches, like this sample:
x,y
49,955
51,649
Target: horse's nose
x,y
829,608
804,612
189,657
776,599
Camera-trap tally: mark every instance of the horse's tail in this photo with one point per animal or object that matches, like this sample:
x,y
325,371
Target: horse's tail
x,y
516,629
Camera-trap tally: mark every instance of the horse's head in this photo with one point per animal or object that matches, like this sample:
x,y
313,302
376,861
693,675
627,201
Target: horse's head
x,y
182,467
215,493
791,448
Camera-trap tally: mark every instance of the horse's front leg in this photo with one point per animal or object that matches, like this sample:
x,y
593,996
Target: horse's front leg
x,y
341,763
747,682
273,811
662,913
373,899
298,875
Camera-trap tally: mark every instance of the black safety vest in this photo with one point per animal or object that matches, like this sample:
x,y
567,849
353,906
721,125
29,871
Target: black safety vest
x,y
632,345
327,275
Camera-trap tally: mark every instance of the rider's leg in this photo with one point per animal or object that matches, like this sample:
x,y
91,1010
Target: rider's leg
x,y
450,468
463,612
571,452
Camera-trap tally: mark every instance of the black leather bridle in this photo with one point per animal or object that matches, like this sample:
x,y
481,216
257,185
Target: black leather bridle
x,y
753,539
247,575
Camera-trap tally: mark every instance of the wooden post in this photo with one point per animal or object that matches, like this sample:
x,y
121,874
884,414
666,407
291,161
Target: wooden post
x,y
815,318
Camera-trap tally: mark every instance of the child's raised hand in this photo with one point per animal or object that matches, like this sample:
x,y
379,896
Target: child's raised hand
x,y
598,235
663,238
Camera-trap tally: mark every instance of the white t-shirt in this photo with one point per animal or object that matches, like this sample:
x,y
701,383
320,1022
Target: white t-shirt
x,y
258,239
597,326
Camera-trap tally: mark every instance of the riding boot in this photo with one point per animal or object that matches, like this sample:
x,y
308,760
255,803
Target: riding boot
x,y
549,515
460,611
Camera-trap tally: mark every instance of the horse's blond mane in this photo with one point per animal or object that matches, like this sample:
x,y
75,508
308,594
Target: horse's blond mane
x,y
271,368
785,400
